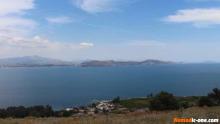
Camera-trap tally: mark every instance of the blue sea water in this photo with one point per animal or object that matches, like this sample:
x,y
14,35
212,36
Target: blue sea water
x,y
70,86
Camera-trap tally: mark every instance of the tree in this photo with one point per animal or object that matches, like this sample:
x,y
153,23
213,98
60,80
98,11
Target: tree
x,y
17,112
3,113
215,96
48,111
40,111
150,95
164,101
116,100
205,101
184,104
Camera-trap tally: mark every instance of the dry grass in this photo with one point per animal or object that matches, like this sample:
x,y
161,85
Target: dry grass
x,y
131,118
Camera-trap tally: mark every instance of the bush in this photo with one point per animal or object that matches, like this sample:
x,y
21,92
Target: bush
x,y
184,104
164,101
3,113
40,111
205,101
215,96
64,113
17,112
21,112
116,100
150,95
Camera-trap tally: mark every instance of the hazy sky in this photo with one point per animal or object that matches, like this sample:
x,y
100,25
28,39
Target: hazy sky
x,y
176,30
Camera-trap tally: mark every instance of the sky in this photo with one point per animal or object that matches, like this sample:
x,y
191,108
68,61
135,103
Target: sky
x,y
174,30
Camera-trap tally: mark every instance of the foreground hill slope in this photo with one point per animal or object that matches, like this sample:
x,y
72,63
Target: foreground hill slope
x,y
130,118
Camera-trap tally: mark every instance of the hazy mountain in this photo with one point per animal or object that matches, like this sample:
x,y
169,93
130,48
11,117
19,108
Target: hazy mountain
x,y
119,63
32,61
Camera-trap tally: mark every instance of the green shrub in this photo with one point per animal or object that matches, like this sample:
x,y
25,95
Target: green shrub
x,y
164,101
212,99
215,96
205,101
184,104
116,100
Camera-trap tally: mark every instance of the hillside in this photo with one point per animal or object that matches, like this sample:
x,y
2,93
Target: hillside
x,y
97,63
32,61
29,61
130,118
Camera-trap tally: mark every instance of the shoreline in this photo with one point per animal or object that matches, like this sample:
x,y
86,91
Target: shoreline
x,y
162,101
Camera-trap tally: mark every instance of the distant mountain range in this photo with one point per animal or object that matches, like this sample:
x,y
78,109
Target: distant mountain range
x,y
31,61
37,61
96,63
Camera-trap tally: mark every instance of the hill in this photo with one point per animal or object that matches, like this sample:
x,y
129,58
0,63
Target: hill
x,y
97,63
31,61
140,117
35,61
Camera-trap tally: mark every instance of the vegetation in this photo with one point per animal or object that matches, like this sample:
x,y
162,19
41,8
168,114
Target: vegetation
x,y
215,96
21,112
135,103
159,102
130,118
212,99
35,111
164,101
205,101
189,101
116,100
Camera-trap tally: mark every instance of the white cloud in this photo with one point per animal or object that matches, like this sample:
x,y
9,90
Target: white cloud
x,y
23,46
59,20
97,6
38,42
85,44
15,6
198,17
16,21
15,39
170,50
12,20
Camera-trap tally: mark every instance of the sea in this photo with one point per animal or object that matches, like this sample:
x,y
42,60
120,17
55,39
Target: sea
x,y
63,87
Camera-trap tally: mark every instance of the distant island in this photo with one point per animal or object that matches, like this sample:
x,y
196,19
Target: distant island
x,y
33,61
37,61
96,63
